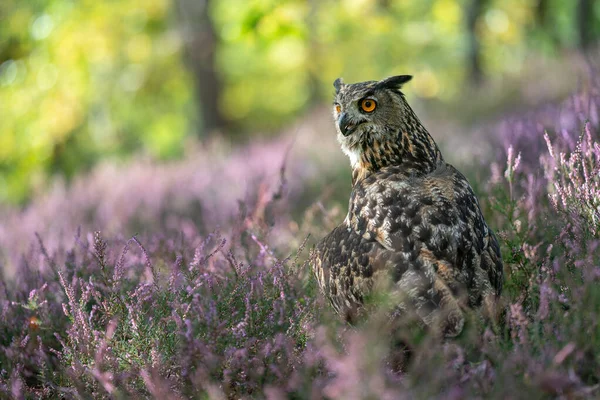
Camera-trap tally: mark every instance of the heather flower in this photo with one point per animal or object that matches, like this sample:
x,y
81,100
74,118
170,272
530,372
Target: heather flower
x,y
576,179
169,282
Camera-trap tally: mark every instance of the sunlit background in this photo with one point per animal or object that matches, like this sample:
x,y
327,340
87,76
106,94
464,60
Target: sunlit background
x,y
83,81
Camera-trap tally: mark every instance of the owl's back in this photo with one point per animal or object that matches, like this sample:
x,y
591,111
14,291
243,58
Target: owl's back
x,y
422,232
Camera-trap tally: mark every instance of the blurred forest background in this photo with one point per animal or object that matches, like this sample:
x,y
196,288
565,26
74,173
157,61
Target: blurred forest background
x,y
82,80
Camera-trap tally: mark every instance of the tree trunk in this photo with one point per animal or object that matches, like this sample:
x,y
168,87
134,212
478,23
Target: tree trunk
x,y
543,21
542,17
200,41
474,13
542,13
585,23
314,53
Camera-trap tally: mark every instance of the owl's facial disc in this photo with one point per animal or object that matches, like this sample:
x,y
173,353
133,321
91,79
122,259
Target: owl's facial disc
x,y
355,115
359,109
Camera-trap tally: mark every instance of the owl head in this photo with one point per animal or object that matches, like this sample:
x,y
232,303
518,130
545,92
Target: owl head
x,y
376,126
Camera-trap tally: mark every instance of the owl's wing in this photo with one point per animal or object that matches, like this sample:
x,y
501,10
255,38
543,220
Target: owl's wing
x,y
446,258
348,265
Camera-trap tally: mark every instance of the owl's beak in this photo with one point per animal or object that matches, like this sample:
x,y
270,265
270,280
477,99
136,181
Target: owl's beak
x,y
346,127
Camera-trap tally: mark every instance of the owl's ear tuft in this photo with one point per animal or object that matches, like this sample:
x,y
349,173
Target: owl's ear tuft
x,y
337,84
394,82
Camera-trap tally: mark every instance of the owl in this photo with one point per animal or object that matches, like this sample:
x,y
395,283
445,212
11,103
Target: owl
x,y
414,227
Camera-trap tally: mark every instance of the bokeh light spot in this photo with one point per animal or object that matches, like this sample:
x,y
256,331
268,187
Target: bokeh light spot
x,y
288,53
448,12
132,78
139,48
47,76
8,72
42,27
497,21
426,84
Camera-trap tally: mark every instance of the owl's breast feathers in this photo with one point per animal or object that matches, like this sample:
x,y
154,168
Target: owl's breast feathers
x,y
425,235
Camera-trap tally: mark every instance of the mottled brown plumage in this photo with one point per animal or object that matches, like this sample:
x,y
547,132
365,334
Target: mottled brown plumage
x,y
413,222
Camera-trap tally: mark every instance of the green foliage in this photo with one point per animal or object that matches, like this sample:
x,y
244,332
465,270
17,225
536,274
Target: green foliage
x,y
83,80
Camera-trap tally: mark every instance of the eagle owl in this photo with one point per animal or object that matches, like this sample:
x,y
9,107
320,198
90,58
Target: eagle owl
x,y
413,219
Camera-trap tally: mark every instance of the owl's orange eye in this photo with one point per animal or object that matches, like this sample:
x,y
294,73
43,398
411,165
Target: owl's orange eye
x,y
368,105
338,108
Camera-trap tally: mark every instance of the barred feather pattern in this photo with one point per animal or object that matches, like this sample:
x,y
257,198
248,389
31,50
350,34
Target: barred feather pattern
x,y
413,223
